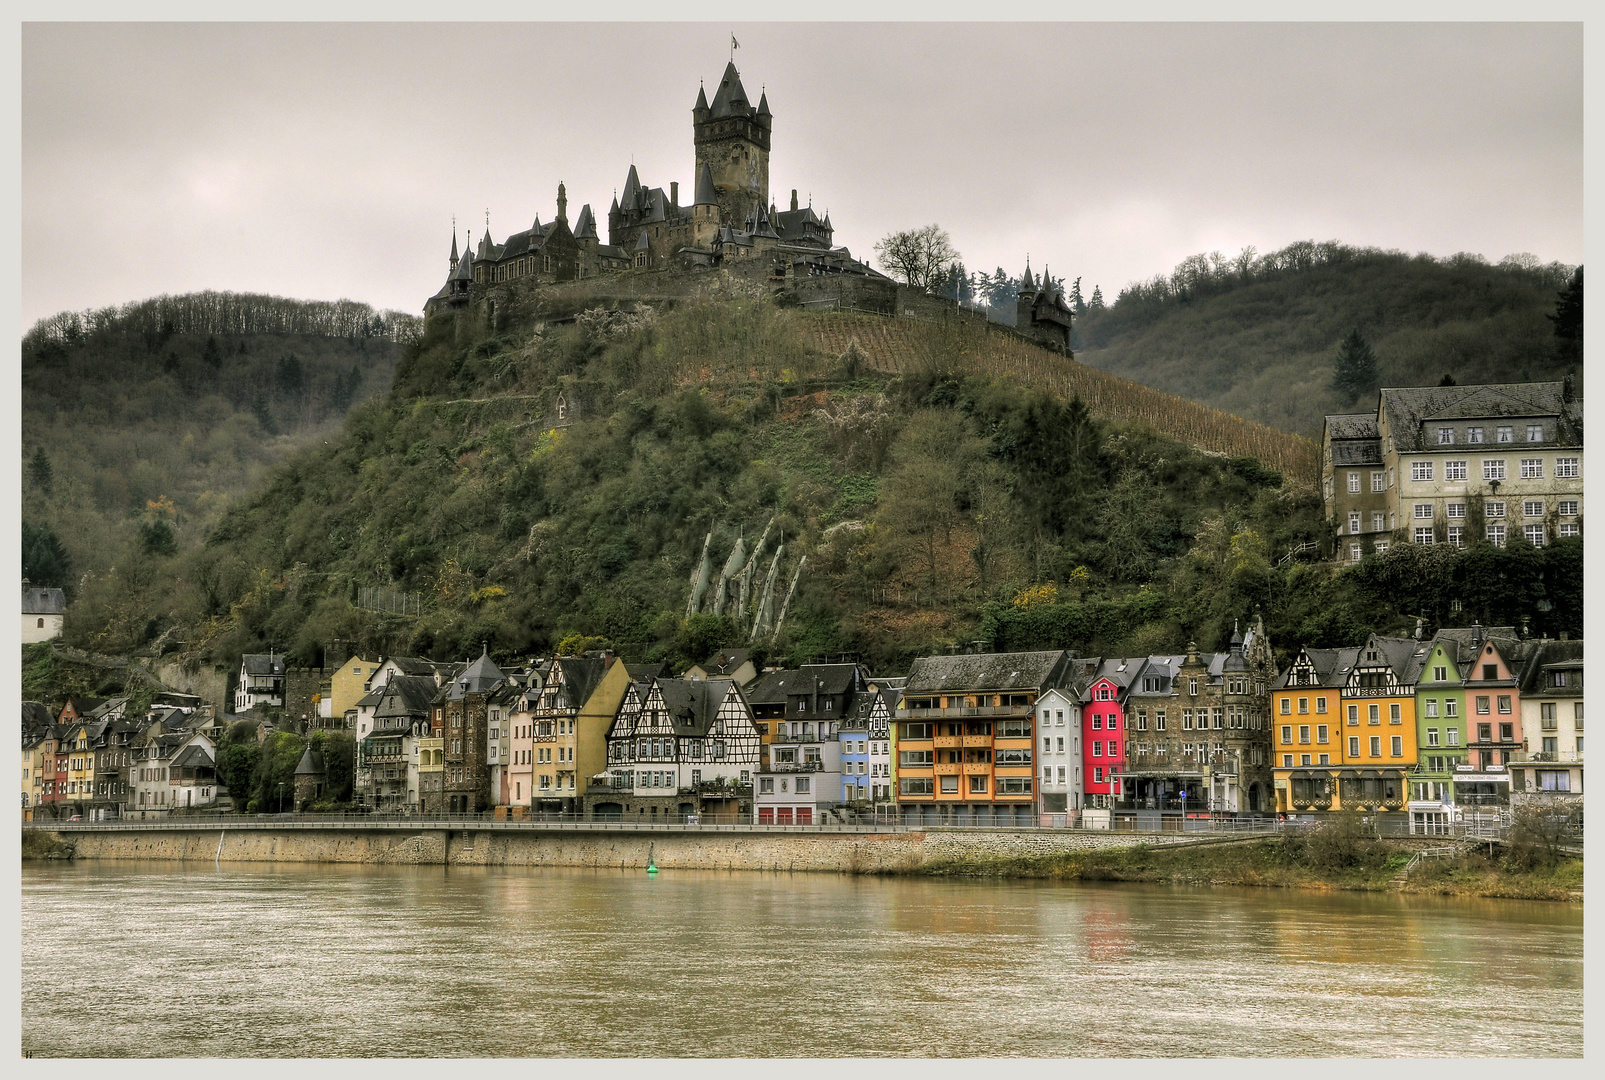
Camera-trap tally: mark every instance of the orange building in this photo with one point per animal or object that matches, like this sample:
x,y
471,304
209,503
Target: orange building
x,y
1345,727
966,735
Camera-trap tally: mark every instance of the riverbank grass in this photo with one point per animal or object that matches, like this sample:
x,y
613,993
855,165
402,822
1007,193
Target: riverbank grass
x,y
43,845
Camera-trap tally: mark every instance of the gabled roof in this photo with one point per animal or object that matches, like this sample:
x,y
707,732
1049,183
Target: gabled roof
x,y
725,661
263,663
989,671
824,679
194,755
405,695
1546,656
643,244
581,674
42,600
693,705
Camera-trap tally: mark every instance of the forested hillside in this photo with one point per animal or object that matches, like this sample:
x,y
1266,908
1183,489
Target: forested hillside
x,y
141,423
918,511
1256,335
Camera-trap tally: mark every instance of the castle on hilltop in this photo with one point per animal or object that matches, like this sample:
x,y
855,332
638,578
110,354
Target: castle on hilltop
x,y
731,223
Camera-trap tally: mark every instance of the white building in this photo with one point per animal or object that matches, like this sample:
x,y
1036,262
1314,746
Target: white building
x,y
261,682
1059,756
42,612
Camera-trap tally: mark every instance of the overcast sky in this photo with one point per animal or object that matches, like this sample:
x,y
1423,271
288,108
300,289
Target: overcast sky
x,y
327,161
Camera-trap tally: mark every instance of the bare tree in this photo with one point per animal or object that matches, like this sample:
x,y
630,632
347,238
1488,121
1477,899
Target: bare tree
x,y
920,257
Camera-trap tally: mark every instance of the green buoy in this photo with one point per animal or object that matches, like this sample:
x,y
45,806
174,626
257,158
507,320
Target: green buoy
x,y
651,864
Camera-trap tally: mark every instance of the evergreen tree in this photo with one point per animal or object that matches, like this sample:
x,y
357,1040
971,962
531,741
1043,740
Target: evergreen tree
x,y
213,355
40,474
1096,304
289,375
1447,380
1568,317
1354,369
1077,304
264,416
44,560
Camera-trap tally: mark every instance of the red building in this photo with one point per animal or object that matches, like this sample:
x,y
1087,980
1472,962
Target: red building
x,y
1103,730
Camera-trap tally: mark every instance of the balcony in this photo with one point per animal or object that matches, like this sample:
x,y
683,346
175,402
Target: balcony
x,y
977,768
802,738
794,766
947,741
1571,757
947,768
982,741
965,711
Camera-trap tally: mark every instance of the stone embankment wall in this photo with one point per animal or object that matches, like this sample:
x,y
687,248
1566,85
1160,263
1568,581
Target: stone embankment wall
x,y
863,853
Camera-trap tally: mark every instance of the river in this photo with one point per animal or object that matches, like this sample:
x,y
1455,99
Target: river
x,y
158,960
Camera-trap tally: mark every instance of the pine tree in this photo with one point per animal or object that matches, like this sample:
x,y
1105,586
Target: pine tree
x,y
40,474
1354,369
1096,304
264,415
1078,305
213,355
1568,317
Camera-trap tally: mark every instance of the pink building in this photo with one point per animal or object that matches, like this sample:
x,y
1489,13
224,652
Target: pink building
x,y
1103,730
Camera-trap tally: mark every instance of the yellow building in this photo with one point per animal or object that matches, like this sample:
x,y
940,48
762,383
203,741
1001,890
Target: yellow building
x,y
1344,734
348,684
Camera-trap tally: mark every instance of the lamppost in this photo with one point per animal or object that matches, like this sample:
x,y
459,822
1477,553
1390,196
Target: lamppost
x,y
281,796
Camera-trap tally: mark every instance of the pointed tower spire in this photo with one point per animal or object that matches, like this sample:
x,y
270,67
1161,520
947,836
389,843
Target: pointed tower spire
x,y
562,202
453,243
705,193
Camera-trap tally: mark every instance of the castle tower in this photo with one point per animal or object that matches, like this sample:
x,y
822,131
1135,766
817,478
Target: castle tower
x,y
732,141
453,269
1028,296
705,213
562,203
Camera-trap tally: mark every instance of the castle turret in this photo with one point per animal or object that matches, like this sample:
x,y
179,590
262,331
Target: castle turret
x,y
1027,299
699,111
732,140
562,203
453,269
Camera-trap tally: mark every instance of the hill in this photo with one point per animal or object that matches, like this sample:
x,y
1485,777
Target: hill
x,y
141,423
923,500
1256,336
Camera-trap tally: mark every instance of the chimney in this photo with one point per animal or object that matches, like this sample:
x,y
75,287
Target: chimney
x,y
794,206
1419,624
674,193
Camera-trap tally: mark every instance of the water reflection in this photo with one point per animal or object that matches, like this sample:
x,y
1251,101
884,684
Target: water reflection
x,y
343,960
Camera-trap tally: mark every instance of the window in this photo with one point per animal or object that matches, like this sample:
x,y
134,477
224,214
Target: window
x,y
1423,534
804,785
1568,528
1535,432
1532,468
1455,535
1376,746
1420,470
1097,748
1568,468
1432,736
1287,706
1398,746
1192,687
1373,714
1320,706
1446,436
1432,706
1287,733
1354,552
1505,434
1354,483
1304,734
1187,720
1304,706
1354,746
1566,508
1320,734
1453,735
1287,761
1097,775
908,785
1504,703
1496,535
1381,546
1422,511
1455,509
1379,481
1454,470
1379,521
1393,713
1493,468
1354,715
1554,780
1354,522
1534,534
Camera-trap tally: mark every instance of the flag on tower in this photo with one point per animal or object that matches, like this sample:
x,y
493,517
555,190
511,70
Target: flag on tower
x,y
734,44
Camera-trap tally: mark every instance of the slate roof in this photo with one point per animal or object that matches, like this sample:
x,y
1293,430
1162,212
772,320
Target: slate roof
x,y
705,192
770,688
693,704
405,696
194,755
831,678
731,97
42,600
1352,426
1547,656
581,674
585,224
263,664
988,671
311,763
725,661
1410,409
479,677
